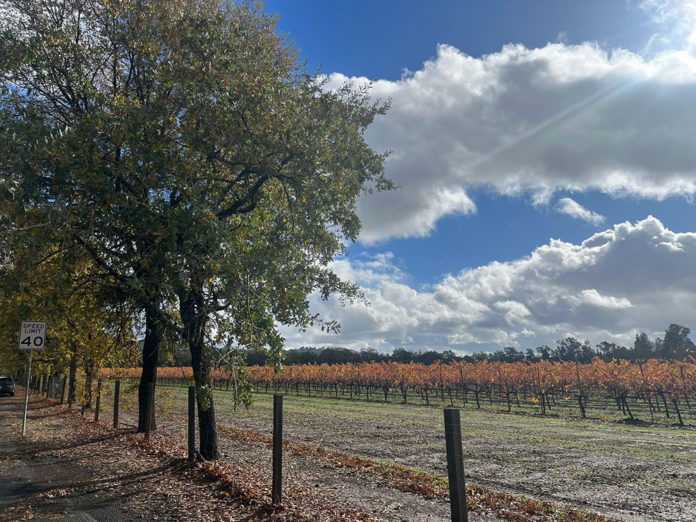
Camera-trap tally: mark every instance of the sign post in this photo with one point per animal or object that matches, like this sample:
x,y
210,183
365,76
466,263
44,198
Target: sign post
x,y
32,336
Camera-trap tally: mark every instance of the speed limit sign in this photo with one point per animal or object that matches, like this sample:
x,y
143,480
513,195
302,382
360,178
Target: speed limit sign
x,y
32,335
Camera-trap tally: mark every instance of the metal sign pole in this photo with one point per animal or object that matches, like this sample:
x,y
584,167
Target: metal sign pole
x,y
32,336
26,395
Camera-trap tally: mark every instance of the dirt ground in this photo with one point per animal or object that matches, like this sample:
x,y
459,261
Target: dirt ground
x,y
71,469
624,471
362,492
68,467
630,472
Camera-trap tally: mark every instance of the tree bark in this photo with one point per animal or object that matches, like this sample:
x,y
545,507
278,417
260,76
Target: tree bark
x,y
154,330
206,411
87,392
194,318
72,374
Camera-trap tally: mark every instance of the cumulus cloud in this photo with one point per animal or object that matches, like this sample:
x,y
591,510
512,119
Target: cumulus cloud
x,y
628,278
572,208
530,122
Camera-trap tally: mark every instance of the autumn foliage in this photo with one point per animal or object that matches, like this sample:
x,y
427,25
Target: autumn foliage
x,y
661,385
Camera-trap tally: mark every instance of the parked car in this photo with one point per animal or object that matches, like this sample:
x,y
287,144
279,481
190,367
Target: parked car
x,y
6,385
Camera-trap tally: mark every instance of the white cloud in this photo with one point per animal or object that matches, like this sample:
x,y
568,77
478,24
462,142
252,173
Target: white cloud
x,y
530,122
625,279
572,208
675,23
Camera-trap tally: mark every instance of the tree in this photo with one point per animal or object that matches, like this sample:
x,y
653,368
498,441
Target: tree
x,y
609,351
530,356
544,352
82,125
402,355
567,349
47,283
643,347
181,146
676,343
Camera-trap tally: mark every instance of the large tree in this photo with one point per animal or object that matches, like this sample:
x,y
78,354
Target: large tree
x,y
676,343
181,145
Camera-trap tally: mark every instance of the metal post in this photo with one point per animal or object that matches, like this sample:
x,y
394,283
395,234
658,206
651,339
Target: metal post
x,y
455,465
117,393
191,422
26,395
96,409
277,448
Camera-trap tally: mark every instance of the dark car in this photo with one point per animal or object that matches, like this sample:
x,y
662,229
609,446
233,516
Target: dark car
x,y
6,385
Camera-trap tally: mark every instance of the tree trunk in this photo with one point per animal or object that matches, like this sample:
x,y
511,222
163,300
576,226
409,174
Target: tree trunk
x,y
87,392
72,373
154,330
194,317
204,397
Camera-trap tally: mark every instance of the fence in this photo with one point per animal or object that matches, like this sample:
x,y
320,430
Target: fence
x,y
113,395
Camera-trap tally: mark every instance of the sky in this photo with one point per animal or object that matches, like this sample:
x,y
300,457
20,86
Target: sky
x,y
546,160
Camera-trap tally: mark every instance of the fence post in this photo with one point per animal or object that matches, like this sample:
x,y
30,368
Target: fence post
x,y
117,393
277,448
455,465
191,422
96,409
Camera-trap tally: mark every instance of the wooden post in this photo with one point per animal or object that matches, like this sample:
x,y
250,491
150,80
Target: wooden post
x,y
117,393
277,448
455,465
191,423
96,409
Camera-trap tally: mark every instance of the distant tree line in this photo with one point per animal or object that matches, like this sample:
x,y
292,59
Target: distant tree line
x,y
674,345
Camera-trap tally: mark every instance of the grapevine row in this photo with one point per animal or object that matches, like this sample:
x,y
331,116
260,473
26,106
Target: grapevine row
x,y
654,386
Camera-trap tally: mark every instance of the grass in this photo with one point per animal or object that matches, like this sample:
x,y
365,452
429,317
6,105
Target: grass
x,y
589,436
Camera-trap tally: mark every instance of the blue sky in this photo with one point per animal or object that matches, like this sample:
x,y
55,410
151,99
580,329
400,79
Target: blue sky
x,y
378,39
518,131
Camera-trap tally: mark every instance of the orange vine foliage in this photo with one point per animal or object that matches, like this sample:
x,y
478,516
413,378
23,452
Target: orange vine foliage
x,y
671,378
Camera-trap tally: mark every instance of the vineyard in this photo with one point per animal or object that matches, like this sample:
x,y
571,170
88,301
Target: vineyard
x,y
648,391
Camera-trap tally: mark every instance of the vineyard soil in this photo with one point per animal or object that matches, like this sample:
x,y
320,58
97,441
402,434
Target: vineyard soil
x,y
626,471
